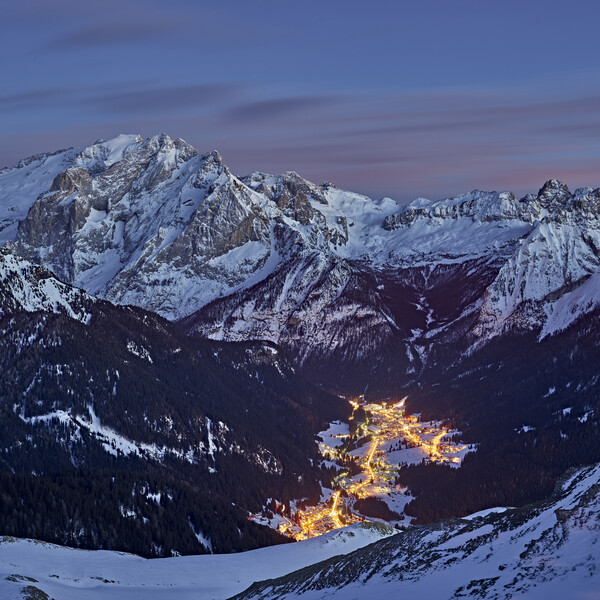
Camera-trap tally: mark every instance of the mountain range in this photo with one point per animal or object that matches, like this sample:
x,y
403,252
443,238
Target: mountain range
x,y
338,279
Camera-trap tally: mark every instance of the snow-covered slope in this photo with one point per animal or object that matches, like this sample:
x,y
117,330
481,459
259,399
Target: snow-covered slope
x,y
544,551
64,573
556,258
30,288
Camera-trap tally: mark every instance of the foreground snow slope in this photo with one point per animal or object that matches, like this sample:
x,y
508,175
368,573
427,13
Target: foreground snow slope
x,y
545,551
67,574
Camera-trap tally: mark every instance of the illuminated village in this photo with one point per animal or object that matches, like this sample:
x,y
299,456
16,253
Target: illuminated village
x,y
379,438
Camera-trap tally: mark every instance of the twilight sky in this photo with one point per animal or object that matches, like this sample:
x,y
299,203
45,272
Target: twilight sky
x,y
402,98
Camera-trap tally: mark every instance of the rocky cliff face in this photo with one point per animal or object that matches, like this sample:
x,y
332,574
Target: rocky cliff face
x,y
166,228
144,230
21,185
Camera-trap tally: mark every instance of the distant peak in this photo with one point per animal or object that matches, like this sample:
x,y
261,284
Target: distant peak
x,y
291,174
213,160
159,140
419,203
101,155
552,186
216,156
257,176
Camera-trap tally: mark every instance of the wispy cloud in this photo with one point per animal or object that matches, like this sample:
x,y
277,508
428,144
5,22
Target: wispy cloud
x,y
167,99
435,143
279,108
110,32
31,99
82,25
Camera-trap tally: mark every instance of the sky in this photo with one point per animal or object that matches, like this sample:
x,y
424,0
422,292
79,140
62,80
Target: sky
x,y
402,98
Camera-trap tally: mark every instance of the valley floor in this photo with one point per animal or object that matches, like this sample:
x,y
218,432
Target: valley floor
x,y
384,440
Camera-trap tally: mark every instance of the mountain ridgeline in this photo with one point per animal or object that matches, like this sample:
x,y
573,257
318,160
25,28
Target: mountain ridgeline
x,y
186,309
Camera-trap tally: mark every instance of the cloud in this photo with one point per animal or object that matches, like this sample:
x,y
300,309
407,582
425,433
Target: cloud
x,y
93,103
30,99
434,144
166,99
277,108
73,25
84,25
36,100
110,32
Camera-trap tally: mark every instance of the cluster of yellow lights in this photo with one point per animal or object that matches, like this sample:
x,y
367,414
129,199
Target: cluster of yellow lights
x,y
387,423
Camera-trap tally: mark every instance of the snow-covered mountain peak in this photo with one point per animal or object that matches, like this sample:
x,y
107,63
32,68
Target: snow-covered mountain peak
x,y
476,206
557,256
419,203
292,193
158,156
214,158
154,223
586,201
552,191
163,218
165,145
